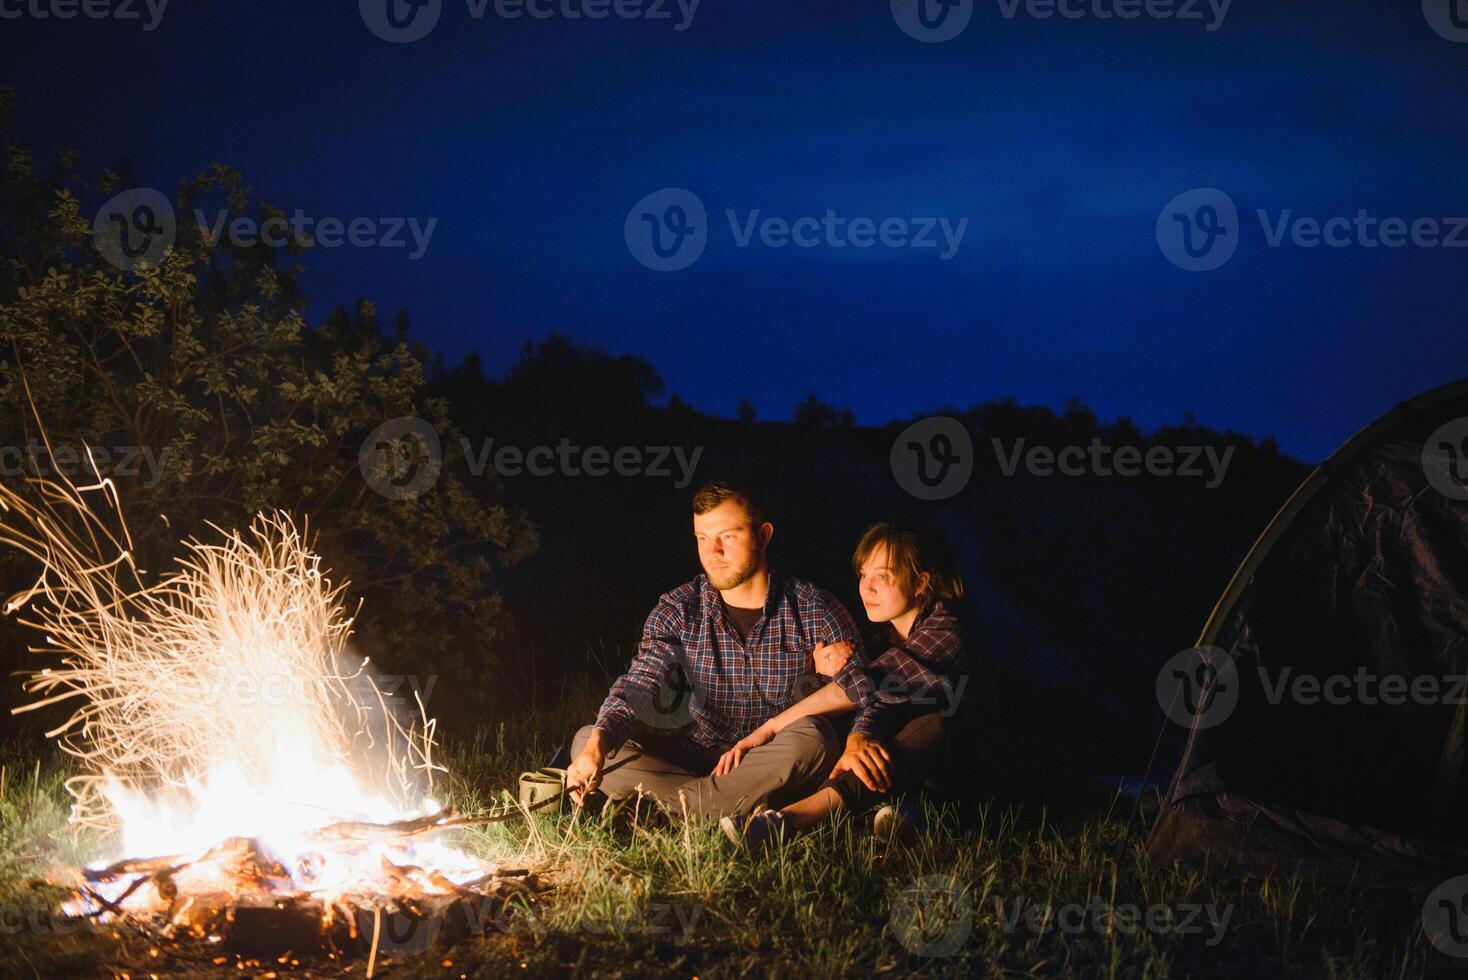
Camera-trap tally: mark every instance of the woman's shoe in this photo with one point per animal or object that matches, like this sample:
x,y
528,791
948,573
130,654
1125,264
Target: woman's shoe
x,y
903,822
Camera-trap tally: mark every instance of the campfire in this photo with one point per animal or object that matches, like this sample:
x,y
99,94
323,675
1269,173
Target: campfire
x,y
261,785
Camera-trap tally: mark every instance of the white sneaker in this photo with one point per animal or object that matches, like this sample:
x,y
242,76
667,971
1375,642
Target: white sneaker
x,y
903,822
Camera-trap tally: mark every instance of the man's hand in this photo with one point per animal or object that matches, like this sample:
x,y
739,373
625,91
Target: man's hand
x,y
730,760
584,773
867,758
831,657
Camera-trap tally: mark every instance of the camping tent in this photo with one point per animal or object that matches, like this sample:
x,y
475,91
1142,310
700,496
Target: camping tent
x,y
1329,727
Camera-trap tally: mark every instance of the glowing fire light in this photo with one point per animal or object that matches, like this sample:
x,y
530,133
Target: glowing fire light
x,y
218,725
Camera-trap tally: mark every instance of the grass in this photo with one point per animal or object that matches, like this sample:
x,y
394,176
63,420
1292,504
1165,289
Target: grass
x,y
637,895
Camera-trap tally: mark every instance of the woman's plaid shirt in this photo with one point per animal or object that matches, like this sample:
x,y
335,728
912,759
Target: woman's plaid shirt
x,y
918,671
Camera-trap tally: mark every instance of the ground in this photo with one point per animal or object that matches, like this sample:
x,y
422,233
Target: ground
x,y
989,890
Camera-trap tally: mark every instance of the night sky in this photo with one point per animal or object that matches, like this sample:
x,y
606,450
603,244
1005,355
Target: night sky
x,y
1059,140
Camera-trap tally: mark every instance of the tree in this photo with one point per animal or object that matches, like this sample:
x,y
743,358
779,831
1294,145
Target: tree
x,y
205,359
745,411
815,413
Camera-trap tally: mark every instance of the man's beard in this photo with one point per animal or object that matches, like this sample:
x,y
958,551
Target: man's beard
x,y
735,577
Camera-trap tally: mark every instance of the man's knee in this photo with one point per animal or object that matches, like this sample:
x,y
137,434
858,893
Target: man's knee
x,y
814,739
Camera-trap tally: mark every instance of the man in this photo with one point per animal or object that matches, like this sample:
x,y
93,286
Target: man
x,y
739,639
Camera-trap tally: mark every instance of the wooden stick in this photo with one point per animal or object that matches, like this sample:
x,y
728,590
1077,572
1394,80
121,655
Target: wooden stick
x,y
171,863
376,928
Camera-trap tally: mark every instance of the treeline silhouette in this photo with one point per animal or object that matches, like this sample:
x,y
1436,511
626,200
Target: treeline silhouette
x,y
1082,586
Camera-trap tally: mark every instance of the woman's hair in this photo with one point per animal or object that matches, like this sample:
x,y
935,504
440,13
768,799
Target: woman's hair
x,y
910,553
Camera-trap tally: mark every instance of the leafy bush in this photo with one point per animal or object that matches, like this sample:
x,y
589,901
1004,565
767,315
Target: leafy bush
x,y
207,362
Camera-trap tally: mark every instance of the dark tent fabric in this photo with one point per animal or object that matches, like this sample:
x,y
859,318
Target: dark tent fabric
x,y
1360,586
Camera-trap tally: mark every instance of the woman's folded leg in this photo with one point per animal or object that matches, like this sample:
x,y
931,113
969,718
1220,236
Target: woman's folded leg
x,y
914,749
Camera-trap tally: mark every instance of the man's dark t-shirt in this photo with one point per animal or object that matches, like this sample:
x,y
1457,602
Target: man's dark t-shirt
x,y
743,619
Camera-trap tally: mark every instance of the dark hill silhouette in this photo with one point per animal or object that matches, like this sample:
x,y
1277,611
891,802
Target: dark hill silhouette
x,y
1082,586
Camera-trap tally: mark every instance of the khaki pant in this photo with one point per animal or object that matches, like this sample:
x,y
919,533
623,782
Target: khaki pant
x,y
675,771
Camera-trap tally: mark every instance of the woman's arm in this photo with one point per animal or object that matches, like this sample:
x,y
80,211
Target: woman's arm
x,y
829,700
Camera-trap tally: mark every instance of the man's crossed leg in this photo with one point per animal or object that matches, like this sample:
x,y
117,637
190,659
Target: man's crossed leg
x,y
675,771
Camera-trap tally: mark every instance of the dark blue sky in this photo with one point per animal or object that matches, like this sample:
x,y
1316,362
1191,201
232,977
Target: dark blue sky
x,y
1059,140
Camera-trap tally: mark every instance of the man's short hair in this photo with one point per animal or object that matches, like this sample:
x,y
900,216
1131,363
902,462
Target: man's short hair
x,y
715,492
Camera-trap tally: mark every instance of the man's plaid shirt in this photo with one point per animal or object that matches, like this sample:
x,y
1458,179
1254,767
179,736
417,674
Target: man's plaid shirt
x,y
919,670
692,671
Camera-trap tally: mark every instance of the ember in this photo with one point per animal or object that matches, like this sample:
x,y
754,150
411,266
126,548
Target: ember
x,y
224,733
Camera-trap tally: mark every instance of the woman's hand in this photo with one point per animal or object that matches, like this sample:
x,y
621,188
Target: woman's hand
x,y
831,657
730,760
867,758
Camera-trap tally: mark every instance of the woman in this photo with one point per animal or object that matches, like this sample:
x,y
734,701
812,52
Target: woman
x,y
907,582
